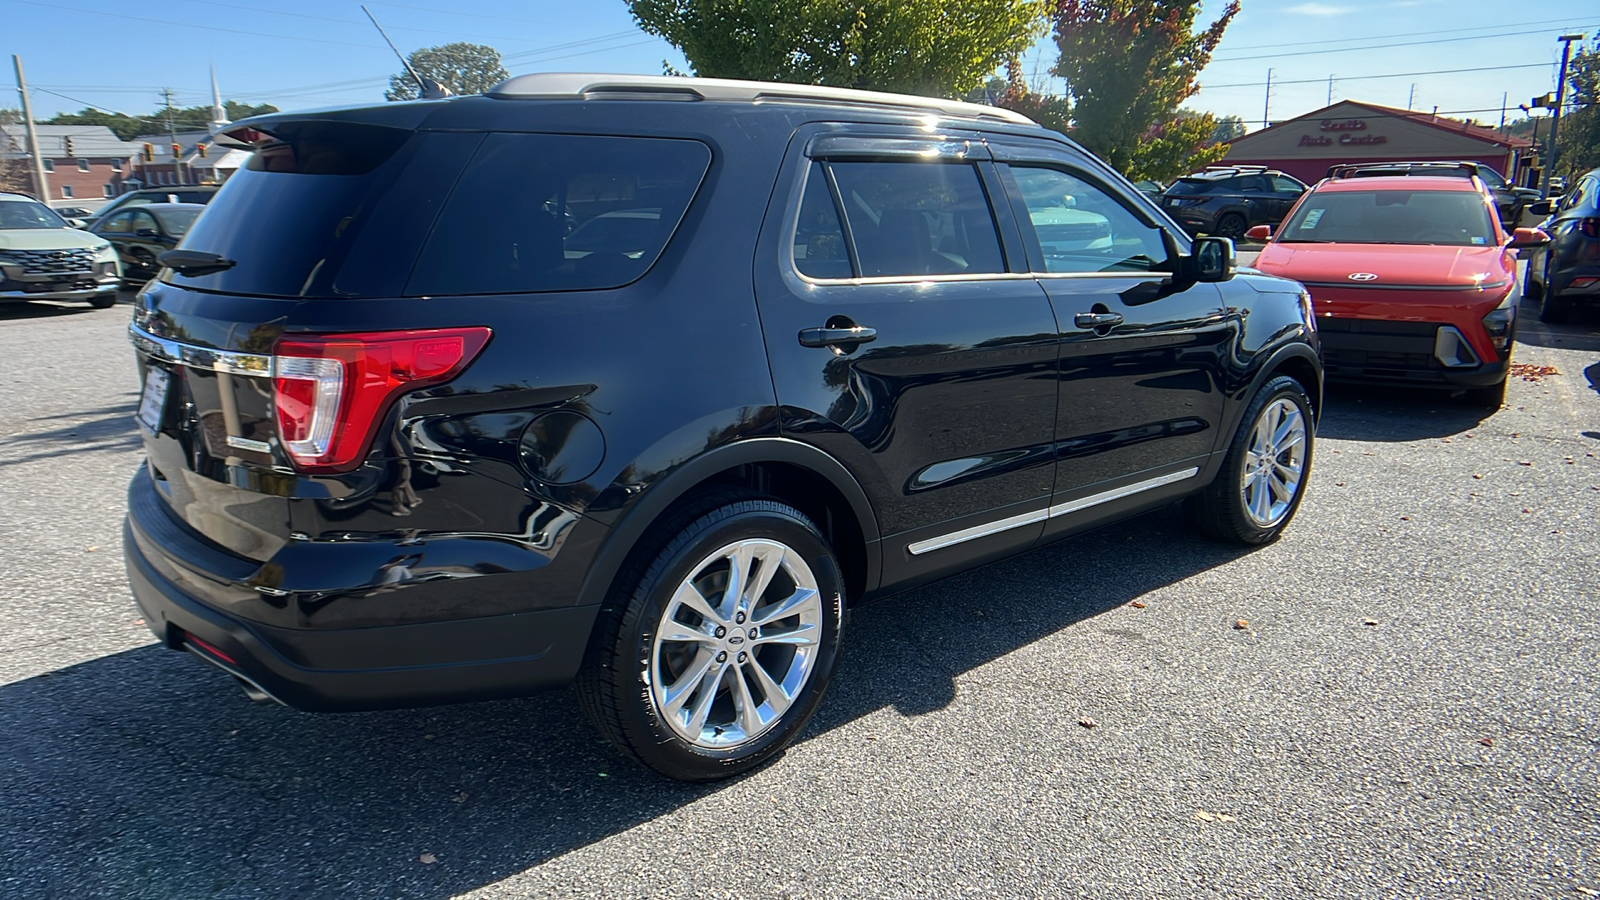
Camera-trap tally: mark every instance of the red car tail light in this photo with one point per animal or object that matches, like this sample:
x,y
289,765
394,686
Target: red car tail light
x,y
331,391
1589,228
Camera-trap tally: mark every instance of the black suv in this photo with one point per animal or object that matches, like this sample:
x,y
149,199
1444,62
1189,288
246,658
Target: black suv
x,y
1566,274
642,382
1228,201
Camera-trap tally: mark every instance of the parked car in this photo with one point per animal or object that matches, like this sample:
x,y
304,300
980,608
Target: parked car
x,y
1509,200
1566,273
193,193
143,233
1413,279
44,258
1228,200
403,449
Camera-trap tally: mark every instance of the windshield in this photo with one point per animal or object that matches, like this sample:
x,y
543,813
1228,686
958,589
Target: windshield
x,y
177,221
19,214
1449,218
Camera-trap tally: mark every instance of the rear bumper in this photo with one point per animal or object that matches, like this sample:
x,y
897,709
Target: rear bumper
x,y
380,667
1561,283
13,291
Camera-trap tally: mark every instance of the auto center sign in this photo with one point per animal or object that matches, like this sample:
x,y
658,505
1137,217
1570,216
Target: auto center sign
x,y
1343,132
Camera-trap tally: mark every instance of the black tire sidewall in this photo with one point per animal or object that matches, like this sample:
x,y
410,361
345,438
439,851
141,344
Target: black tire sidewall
x,y
652,738
1235,234
1228,488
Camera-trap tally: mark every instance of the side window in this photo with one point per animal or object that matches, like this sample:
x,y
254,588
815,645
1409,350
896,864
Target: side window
x,y
1081,227
1492,178
1285,186
120,223
819,249
1253,184
143,221
918,218
547,212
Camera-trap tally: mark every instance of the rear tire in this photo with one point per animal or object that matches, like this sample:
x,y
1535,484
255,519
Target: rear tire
x,y
1263,477
1232,226
699,682
104,302
1554,309
1531,288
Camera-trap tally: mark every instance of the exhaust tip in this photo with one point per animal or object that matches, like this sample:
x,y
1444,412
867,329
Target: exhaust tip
x,y
254,691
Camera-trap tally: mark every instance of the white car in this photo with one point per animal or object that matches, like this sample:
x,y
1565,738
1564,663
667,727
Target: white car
x,y
42,257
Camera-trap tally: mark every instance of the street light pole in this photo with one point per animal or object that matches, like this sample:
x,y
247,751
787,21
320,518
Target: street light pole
x,y
1555,114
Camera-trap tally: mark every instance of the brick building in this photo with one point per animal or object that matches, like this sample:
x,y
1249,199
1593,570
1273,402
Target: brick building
x,y
84,164
200,161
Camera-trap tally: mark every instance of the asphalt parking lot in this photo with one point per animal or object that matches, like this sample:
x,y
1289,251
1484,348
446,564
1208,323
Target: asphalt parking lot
x,y
1408,708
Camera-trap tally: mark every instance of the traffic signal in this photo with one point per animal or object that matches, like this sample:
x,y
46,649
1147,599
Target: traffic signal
x,y
177,151
201,150
149,152
67,142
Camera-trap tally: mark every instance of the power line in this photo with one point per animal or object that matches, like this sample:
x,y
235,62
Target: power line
x,y
281,37
275,12
1213,87
1298,53
1224,53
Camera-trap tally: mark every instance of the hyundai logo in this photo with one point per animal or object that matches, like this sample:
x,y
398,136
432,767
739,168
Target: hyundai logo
x,y
1362,276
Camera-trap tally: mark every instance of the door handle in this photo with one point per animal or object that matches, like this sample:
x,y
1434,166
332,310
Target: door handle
x,y
831,337
1097,320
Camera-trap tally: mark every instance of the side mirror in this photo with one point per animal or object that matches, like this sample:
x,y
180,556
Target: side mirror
x,y
1259,233
1539,208
76,223
1528,237
1213,259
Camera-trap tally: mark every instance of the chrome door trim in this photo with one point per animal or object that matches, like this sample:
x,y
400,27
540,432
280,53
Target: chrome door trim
x,y
252,364
1039,515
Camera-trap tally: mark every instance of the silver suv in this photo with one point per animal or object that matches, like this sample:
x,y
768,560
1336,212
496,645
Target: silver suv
x,y
44,258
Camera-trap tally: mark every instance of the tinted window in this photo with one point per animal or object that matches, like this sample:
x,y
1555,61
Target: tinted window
x,y
1191,186
1491,178
1286,185
1080,227
176,222
537,212
918,218
143,221
1253,183
290,216
1455,218
819,248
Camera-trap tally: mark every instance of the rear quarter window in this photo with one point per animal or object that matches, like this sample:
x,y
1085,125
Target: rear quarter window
x,y
552,212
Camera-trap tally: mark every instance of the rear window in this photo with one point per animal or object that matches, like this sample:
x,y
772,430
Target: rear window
x,y
552,212
1191,186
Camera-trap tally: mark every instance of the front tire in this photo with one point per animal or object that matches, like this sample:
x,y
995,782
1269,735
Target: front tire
x,y
1263,476
1554,309
103,302
1491,398
709,661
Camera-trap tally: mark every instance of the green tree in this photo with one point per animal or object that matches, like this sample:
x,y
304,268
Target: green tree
x,y
191,118
463,68
1229,128
928,47
1128,67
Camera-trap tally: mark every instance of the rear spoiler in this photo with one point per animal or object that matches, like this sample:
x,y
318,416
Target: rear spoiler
x,y
251,133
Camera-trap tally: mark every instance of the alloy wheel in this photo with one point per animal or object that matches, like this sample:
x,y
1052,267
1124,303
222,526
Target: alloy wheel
x,y
736,644
1274,463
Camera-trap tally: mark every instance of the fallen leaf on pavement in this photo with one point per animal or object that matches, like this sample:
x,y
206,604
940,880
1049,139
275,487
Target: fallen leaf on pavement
x,y
1476,475
91,549
1523,462
1405,518
427,859
1487,742
1241,625
1136,605
1204,816
1370,622
1087,722
1223,817
1589,892
459,798
1526,510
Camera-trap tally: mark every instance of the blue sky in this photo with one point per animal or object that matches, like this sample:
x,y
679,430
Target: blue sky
x,y
300,53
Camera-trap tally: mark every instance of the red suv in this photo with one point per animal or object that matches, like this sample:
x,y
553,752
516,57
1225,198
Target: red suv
x,y
1413,279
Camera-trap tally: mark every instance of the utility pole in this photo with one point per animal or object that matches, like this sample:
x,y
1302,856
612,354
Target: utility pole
x,y
1411,97
41,185
172,133
1555,114
1504,99
1266,108
1330,89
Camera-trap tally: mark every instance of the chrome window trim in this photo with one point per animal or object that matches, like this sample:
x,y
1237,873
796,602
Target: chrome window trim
x,y
1060,509
254,365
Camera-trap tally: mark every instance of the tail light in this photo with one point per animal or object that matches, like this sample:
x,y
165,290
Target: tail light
x,y
331,391
1589,228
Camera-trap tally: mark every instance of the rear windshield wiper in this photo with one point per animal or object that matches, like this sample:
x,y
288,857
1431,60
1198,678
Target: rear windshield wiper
x,y
194,262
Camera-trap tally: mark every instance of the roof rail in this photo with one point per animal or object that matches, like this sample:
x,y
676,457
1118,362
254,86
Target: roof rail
x,y
1240,168
583,86
1462,168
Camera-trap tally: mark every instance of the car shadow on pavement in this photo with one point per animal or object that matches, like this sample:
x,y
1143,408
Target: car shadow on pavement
x,y
1367,413
108,428
40,309
146,774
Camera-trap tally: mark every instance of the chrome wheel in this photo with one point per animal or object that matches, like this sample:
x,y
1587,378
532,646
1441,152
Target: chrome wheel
x,y
1274,463
736,644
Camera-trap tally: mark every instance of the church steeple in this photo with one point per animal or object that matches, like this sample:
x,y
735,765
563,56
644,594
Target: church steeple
x,y
219,116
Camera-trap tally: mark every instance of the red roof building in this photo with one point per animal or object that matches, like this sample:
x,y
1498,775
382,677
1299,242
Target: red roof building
x,y
1352,132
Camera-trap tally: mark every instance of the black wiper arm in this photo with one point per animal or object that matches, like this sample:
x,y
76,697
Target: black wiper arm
x,y
194,262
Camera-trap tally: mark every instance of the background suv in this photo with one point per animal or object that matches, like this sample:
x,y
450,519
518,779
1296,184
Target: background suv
x,y
1227,201
572,381
1509,200
1567,272
44,258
